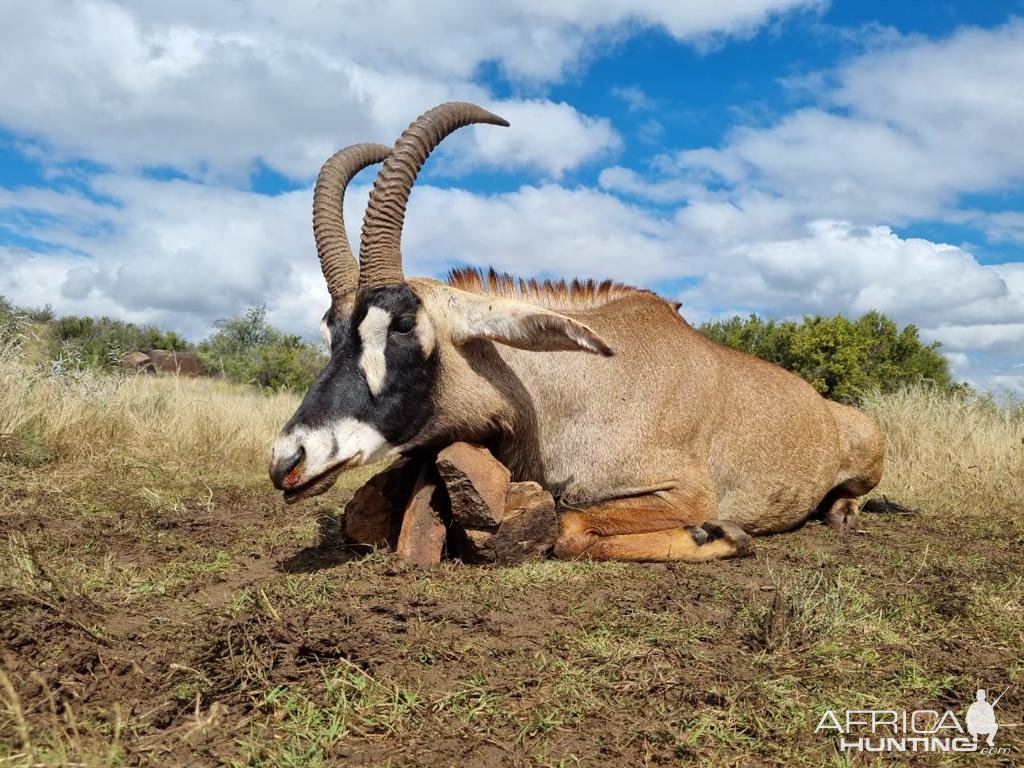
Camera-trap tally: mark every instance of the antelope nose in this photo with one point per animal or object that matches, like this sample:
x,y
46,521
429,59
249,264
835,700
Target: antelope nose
x,y
279,469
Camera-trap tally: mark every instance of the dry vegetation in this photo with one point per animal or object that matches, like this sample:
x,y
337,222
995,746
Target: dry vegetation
x,y
160,606
80,422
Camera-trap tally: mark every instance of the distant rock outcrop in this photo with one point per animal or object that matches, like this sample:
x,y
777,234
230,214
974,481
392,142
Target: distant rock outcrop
x,y
163,361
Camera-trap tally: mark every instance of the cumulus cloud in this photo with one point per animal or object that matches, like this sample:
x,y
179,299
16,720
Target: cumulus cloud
x,y
838,267
899,133
173,251
212,89
546,230
209,91
629,182
551,137
186,254
1001,227
530,40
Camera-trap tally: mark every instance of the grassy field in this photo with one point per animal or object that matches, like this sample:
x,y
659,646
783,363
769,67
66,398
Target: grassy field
x,y
160,606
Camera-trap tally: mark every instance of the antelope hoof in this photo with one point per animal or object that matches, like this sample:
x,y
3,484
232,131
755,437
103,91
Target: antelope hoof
x,y
741,541
844,517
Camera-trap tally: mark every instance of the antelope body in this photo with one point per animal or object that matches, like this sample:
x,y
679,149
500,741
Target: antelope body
x,y
658,443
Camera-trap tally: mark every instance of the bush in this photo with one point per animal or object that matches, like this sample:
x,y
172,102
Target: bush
x,y
247,349
91,343
840,358
43,314
12,322
16,331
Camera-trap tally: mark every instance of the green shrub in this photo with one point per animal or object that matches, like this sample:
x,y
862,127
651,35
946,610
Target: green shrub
x,y
839,357
247,349
99,343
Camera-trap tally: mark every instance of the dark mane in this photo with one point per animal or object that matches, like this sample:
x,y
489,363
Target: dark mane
x,y
551,294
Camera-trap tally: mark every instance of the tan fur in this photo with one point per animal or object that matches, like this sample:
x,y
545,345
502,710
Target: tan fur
x,y
712,433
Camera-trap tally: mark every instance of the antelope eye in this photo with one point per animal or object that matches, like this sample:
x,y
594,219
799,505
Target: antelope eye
x,y
403,325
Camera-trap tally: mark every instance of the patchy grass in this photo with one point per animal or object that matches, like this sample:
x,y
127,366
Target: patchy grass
x,y
158,606
803,609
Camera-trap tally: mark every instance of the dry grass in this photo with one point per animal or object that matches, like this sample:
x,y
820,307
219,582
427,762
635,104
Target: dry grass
x,y
82,422
952,453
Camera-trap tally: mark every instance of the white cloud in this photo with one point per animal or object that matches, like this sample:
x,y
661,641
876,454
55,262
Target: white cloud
x,y
835,267
531,40
211,89
546,230
1004,226
1008,383
976,311
903,132
1003,336
959,362
185,254
634,97
1012,274
161,251
628,181
545,136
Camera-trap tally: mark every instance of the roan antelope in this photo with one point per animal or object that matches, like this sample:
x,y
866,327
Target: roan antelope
x,y
657,443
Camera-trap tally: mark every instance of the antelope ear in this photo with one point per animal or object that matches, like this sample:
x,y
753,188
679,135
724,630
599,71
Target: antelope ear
x,y
520,325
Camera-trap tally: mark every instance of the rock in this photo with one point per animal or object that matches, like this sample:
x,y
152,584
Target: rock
x,y
529,526
374,515
472,545
421,539
137,361
411,504
477,484
527,531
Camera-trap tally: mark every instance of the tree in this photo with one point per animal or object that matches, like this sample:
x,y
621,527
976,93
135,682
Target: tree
x,y
840,358
248,349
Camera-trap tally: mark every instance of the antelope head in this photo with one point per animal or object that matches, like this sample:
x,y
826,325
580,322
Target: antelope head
x,y
395,344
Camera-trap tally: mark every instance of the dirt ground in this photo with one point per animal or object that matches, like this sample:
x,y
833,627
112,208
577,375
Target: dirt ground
x,y
167,625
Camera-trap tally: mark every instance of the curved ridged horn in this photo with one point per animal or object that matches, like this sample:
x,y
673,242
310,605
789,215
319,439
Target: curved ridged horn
x,y
380,255
336,259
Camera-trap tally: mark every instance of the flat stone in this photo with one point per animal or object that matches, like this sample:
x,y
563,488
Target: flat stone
x,y
421,539
374,515
477,484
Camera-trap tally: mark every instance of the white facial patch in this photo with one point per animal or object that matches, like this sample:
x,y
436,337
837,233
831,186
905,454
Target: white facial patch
x,y
425,333
373,332
325,332
332,445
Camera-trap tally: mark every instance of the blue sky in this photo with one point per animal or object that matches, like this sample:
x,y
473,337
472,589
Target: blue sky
x,y
781,157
